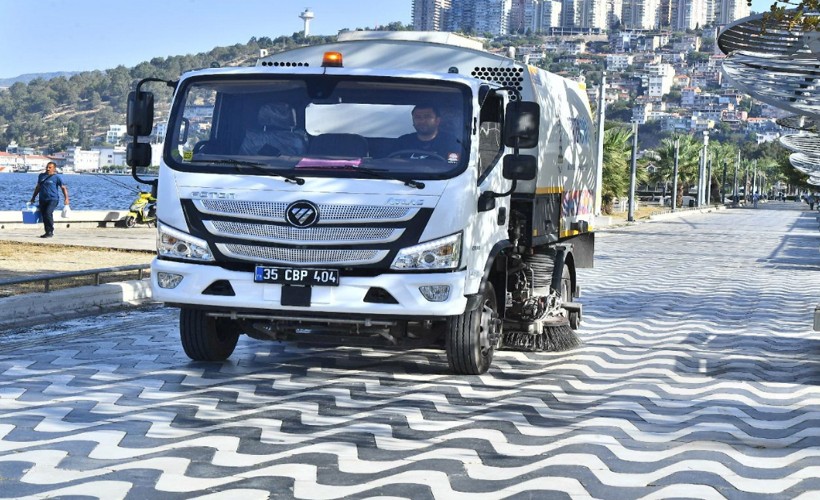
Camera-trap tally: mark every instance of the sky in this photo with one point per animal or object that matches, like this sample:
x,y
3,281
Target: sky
x,y
43,36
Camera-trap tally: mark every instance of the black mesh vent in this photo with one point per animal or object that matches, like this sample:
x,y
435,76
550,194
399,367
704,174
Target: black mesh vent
x,y
379,296
508,77
220,287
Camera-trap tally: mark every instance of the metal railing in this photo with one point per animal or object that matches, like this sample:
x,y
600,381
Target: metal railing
x,y
73,277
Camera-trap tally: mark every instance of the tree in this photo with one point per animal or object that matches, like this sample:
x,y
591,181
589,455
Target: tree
x,y
688,162
801,15
615,170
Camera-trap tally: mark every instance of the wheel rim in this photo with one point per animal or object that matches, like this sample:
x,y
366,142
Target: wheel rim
x,y
487,328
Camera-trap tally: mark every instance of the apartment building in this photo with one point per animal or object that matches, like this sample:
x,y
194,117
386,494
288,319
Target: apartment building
x,y
618,62
492,16
727,11
80,160
519,16
430,15
688,14
640,14
115,134
550,15
658,79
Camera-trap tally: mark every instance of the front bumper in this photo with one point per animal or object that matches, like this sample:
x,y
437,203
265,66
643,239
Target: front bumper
x,y
347,298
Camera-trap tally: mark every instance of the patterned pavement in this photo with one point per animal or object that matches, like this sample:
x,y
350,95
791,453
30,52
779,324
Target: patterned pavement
x,y
698,377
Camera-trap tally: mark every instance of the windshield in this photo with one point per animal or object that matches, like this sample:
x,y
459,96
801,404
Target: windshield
x,y
321,125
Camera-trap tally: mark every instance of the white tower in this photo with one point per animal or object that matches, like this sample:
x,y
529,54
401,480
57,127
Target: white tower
x,y
306,16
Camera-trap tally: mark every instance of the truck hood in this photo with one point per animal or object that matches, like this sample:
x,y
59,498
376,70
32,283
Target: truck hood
x,y
247,188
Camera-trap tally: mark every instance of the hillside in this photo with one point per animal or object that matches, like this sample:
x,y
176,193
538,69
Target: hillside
x,y
53,112
8,82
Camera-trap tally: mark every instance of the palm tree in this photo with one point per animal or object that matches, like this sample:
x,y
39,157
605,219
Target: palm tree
x,y
688,161
615,170
723,156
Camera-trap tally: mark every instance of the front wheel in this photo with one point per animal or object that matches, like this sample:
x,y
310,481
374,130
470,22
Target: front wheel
x,y
205,338
471,337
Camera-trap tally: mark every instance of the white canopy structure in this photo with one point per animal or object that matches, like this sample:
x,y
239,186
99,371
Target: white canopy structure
x,y
778,64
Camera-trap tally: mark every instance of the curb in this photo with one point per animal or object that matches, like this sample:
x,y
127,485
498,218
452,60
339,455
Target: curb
x,y
658,217
677,213
37,308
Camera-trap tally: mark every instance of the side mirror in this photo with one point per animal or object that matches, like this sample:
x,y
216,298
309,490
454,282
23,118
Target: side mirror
x,y
521,124
140,116
486,201
520,167
138,154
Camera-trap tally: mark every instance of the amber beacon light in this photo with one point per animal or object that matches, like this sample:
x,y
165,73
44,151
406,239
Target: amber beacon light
x,y
332,60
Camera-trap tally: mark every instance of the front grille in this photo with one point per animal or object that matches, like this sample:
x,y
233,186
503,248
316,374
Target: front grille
x,y
301,256
287,234
327,213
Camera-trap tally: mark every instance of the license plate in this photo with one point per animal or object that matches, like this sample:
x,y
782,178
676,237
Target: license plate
x,y
296,276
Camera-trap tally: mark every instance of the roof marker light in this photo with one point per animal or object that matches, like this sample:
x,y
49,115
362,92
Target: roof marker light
x,y
332,60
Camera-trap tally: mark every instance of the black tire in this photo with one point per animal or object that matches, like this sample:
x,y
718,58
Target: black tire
x,y
130,221
566,285
566,296
205,338
468,339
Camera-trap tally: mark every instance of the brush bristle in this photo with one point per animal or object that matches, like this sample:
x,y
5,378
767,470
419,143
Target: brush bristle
x,y
553,338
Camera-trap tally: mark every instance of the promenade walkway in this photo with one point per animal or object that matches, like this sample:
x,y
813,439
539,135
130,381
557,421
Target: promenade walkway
x,y
698,377
82,229
136,238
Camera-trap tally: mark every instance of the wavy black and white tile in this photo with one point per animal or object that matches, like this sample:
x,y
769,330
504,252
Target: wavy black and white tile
x,y
698,377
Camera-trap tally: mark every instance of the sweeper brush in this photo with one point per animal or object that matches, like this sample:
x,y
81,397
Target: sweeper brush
x,y
555,336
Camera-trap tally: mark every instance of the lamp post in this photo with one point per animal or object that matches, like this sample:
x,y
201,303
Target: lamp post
x,y
723,184
734,182
601,121
709,181
675,176
754,178
702,169
633,172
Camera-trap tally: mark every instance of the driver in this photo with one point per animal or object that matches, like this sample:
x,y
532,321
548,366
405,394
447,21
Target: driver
x,y
428,137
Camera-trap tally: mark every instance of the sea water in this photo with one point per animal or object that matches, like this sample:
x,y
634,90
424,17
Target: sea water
x,y
85,191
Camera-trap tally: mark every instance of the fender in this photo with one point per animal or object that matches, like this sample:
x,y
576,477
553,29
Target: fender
x,y
474,300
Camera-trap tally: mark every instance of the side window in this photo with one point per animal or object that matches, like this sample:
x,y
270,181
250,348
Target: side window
x,y
489,133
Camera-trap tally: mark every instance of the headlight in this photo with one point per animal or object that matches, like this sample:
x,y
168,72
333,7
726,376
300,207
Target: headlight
x,y
443,253
179,245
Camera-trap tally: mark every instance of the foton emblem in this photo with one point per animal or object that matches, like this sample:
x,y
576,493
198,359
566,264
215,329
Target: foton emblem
x,y
302,214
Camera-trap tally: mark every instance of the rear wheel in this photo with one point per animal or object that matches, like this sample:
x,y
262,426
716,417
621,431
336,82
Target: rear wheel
x,y
205,338
566,296
130,221
566,285
471,336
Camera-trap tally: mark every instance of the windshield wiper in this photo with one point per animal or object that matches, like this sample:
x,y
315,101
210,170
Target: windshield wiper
x,y
381,174
262,167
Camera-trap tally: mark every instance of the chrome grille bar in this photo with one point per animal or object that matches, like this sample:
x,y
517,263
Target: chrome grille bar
x,y
264,210
311,235
301,256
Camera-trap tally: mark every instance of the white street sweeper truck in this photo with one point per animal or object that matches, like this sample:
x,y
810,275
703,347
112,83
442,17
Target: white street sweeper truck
x,y
400,187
